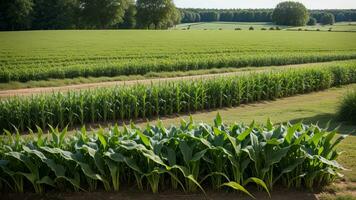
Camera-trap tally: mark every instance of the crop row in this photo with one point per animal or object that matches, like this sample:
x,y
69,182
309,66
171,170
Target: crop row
x,y
147,101
44,71
190,157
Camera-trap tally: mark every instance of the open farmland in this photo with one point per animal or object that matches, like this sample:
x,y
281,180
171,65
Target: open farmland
x,y
163,110
341,26
316,107
338,27
147,101
227,26
40,55
76,84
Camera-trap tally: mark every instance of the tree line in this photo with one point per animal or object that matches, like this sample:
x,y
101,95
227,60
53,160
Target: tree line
x,y
256,15
147,14
87,14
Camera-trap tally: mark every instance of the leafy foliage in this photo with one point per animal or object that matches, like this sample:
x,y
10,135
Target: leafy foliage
x,y
347,108
103,14
15,14
290,13
327,19
191,15
312,21
167,98
156,14
189,157
51,15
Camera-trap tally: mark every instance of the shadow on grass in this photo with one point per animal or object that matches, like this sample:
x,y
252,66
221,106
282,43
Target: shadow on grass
x,y
324,119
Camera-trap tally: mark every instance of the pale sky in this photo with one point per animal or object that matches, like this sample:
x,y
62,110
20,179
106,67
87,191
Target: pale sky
x,y
310,4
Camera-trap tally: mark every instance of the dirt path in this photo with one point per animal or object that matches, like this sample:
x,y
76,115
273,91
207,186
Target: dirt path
x,y
39,90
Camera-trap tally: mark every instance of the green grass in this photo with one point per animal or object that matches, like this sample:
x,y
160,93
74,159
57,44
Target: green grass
x,y
340,26
227,25
41,55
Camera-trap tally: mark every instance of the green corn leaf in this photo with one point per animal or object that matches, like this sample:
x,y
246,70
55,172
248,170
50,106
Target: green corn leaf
x,y
189,176
291,131
117,157
269,125
144,138
46,180
275,155
101,137
218,120
258,182
238,187
62,135
197,156
244,134
186,151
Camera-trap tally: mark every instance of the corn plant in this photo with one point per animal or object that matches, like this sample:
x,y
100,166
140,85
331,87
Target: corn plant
x,y
149,101
189,157
23,72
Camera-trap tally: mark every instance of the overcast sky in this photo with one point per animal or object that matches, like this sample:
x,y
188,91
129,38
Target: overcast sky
x,y
310,4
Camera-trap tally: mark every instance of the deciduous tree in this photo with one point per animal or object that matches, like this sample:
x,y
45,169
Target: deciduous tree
x,y
290,13
55,14
103,13
312,21
327,18
15,14
155,13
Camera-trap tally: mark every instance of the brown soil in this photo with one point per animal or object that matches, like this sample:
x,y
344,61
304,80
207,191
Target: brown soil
x,y
277,195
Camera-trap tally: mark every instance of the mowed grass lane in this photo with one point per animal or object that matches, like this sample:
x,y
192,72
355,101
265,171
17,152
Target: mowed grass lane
x,y
41,55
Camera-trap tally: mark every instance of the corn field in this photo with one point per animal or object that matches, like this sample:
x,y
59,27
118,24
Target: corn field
x,y
38,71
142,101
191,157
35,55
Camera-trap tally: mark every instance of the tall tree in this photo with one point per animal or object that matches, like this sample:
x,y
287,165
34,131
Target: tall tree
x,y
290,13
15,14
327,18
312,21
102,13
129,20
210,16
55,14
155,13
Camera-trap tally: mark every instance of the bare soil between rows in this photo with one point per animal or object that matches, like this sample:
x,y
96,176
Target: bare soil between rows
x,y
128,195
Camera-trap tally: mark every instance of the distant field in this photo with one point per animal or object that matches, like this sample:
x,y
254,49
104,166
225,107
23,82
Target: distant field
x,y
342,26
227,25
42,55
